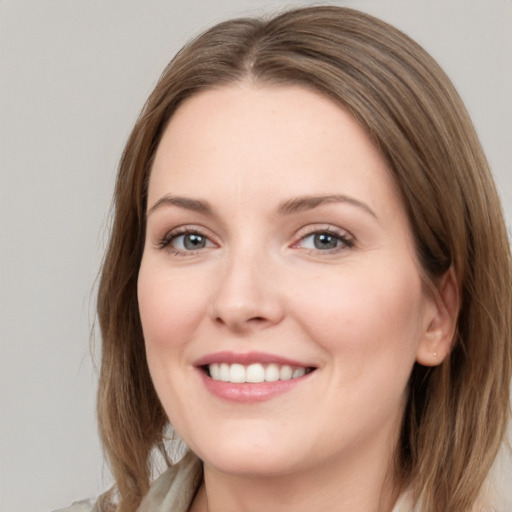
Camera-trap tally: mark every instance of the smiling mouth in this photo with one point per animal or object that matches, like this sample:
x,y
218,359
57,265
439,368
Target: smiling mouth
x,y
254,373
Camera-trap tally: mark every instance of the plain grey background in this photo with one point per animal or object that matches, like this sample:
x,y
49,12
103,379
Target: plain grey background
x,y
73,76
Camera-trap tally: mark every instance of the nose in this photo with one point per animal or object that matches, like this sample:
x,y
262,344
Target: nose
x,y
247,297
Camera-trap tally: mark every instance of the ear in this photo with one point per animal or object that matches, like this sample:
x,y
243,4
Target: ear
x,y
441,321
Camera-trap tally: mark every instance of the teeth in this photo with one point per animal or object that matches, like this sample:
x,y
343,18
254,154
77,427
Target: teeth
x,y
215,371
286,372
299,372
253,373
224,372
272,373
237,373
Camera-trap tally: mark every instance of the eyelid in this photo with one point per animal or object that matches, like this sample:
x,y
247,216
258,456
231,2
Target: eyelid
x,y
347,239
165,241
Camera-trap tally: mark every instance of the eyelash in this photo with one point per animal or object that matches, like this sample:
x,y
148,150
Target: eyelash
x,y
171,236
346,241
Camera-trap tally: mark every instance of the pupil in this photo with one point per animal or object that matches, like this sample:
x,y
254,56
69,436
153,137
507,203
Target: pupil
x,y
194,242
325,241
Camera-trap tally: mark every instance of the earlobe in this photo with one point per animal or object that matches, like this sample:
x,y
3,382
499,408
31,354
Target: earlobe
x,y
441,325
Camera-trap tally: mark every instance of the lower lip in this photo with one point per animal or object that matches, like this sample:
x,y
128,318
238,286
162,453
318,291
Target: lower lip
x,y
246,392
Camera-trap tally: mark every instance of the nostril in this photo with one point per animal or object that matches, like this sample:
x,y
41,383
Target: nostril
x,y
254,321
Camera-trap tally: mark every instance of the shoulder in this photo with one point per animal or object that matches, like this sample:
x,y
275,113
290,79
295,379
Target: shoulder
x,y
79,506
175,488
405,503
103,503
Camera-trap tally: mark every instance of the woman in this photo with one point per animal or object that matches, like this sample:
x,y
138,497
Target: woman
x,y
308,277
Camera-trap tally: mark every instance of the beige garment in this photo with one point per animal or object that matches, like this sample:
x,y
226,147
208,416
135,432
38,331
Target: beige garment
x,y
79,506
175,489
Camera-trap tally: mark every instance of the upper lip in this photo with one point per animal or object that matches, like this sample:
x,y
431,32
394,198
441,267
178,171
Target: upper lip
x,y
246,358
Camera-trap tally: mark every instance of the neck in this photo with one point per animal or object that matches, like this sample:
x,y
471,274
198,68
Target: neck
x,y
364,486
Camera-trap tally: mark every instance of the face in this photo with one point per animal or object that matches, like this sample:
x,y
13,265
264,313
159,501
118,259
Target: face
x,y
279,292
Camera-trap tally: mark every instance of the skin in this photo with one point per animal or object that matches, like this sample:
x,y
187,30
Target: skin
x,y
358,313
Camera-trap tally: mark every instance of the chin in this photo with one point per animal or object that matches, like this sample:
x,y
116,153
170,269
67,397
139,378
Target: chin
x,y
245,459
250,466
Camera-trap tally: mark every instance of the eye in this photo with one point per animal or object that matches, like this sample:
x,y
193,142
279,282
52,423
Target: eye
x,y
186,241
189,242
326,240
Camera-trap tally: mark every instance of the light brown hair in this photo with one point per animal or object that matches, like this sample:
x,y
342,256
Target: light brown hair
x,y
457,412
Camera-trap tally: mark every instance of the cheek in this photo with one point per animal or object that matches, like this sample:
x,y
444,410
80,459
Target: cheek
x,y
169,315
169,309
370,315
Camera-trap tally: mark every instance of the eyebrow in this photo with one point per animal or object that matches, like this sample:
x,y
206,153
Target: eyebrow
x,y
294,205
303,203
195,205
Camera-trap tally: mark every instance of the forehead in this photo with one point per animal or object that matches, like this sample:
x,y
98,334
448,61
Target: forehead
x,y
245,137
